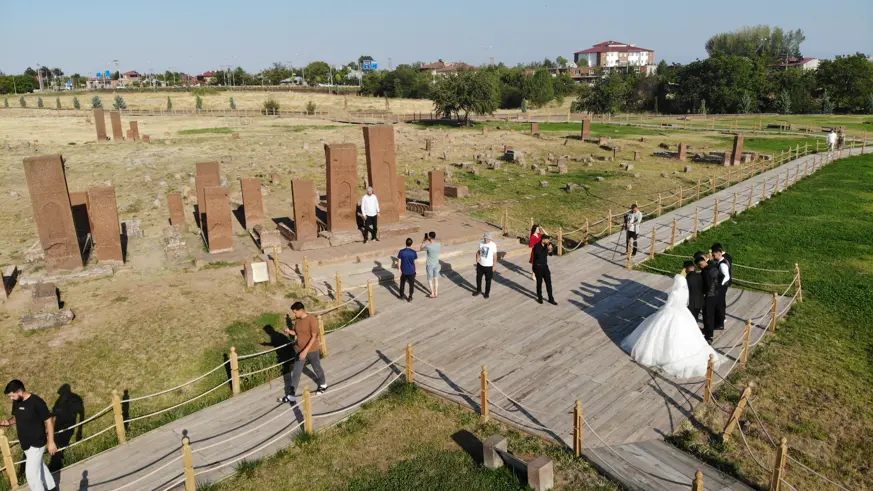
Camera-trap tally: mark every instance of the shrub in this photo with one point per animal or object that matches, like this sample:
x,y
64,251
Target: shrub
x,y
39,102
76,104
205,91
745,103
783,102
96,103
232,103
169,104
310,107
271,106
827,106
58,102
198,102
702,108
22,102
119,102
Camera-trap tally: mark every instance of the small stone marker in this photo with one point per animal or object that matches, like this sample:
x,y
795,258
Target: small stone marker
x,y
457,191
100,124
541,474
428,144
134,129
604,140
253,201
268,239
146,139
275,179
47,309
683,152
636,155
484,130
342,186
45,298
117,131
177,211
491,449
686,169
234,136
219,231
129,135
436,185
105,229
50,197
726,159
534,129
586,129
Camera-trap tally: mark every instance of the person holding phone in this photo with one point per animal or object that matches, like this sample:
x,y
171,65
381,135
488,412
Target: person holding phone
x,y
486,265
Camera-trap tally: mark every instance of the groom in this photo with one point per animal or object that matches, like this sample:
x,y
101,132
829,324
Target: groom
x,y
711,296
695,287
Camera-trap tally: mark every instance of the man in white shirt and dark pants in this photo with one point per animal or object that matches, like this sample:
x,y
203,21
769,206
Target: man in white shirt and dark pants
x,y
370,210
632,222
725,269
486,264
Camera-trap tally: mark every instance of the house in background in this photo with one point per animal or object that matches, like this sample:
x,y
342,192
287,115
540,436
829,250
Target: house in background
x,y
206,78
443,68
613,55
801,63
127,78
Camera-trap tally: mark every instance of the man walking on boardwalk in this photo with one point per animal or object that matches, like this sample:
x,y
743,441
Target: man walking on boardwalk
x,y
370,210
832,140
308,351
36,433
486,264
632,221
407,257
541,253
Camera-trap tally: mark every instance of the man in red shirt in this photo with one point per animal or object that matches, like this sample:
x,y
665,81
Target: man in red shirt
x,y
308,350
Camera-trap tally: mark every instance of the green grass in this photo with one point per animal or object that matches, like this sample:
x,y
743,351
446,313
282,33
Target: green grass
x,y
405,439
814,376
202,131
307,127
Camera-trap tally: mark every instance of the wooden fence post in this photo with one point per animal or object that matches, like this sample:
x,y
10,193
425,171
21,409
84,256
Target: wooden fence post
x,y
747,337
734,206
707,386
779,465
796,174
307,410
483,406
799,284
339,288
119,417
560,241
188,463
585,235
715,214
697,484
660,206
764,189
9,464
698,190
751,194
578,422
505,222
630,248
728,179
307,281
234,371
652,249
773,310
696,221
712,185
737,413
680,197
609,223
410,371
371,306
673,234
323,344
276,264
806,169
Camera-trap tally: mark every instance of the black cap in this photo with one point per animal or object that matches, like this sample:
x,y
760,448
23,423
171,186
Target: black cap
x,y
699,258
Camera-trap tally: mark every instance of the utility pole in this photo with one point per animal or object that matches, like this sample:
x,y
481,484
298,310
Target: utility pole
x,y
389,63
39,75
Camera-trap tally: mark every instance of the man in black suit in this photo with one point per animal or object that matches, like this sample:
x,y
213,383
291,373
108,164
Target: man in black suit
x,y
711,297
695,288
725,265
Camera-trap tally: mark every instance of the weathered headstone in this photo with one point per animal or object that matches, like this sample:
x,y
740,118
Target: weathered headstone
x,y
683,152
636,155
484,130
208,174
234,136
603,140
134,129
275,179
303,195
105,229
456,191
586,129
428,144
130,135
726,159
738,150
146,139
253,201
534,128
117,131
436,183
100,124
382,170
342,186
52,213
401,196
177,211
541,474
45,298
219,231
79,207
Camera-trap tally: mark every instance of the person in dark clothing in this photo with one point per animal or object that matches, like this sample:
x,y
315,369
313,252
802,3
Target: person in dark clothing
x,y
407,257
36,433
724,262
711,299
541,253
695,287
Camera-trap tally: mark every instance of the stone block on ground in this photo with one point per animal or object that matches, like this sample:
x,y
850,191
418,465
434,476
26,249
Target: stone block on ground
x,y
44,298
456,191
312,244
541,474
91,273
268,238
491,449
45,320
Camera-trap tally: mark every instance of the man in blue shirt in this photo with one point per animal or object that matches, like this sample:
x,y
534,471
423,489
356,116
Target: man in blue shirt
x,y
407,257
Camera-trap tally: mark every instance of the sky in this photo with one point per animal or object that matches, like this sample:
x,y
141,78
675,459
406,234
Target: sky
x,y
193,36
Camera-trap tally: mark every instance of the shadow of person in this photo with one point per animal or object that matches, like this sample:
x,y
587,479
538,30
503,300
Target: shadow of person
x,y
83,483
284,351
448,271
387,277
68,410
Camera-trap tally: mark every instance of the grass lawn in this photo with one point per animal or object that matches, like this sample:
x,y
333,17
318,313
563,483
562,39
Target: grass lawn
x,y
406,440
814,376
202,131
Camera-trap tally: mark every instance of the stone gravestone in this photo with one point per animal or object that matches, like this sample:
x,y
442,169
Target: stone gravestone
x,y
177,211
219,230
45,298
303,196
100,124
436,183
683,152
428,144
134,129
208,174
117,131
146,139
484,130
534,129
604,140
130,135
726,159
253,202
46,308
636,155
586,129
275,179
736,155
456,190
382,170
47,183
79,207
105,230
342,186
401,196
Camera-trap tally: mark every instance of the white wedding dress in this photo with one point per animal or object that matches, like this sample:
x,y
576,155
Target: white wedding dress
x,y
670,339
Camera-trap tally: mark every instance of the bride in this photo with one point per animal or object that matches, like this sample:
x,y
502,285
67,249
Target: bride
x,y
670,339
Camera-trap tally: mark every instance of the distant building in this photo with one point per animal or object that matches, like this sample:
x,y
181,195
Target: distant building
x,y
128,78
206,77
801,63
443,68
613,55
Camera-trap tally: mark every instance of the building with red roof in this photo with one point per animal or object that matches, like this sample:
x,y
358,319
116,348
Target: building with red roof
x,y
613,54
801,63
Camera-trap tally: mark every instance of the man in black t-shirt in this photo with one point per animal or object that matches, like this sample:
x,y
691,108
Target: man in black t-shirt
x,y
30,414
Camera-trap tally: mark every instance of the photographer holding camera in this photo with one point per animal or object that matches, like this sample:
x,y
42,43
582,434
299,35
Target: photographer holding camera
x,y
632,221
541,253
432,247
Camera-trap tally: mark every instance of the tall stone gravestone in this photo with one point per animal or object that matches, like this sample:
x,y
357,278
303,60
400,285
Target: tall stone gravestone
x,y
737,154
219,229
117,131
683,152
177,211
534,129
401,196
342,186
436,183
103,213
253,202
47,183
303,195
208,174
382,170
134,130
586,129
100,124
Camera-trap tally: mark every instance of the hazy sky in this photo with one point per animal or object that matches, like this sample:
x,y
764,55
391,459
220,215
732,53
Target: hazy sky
x,y
196,35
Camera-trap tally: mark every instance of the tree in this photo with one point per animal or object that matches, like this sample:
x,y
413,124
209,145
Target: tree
x,y
16,84
362,59
721,80
198,102
76,104
75,79
467,91
745,106
398,88
541,90
22,102
608,96
868,107
58,102
317,72
119,103
270,106
96,103
800,86
772,44
547,63
116,75
30,72
783,102
561,61
582,62
827,106
848,80
169,104
563,86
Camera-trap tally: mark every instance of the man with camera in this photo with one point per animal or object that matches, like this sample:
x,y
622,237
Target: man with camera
x,y
432,248
541,253
632,221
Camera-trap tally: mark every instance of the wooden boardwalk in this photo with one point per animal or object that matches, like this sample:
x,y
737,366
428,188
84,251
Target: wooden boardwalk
x,y
543,357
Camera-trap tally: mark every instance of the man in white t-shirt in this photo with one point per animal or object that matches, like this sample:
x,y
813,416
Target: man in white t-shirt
x,y
832,140
370,210
486,264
